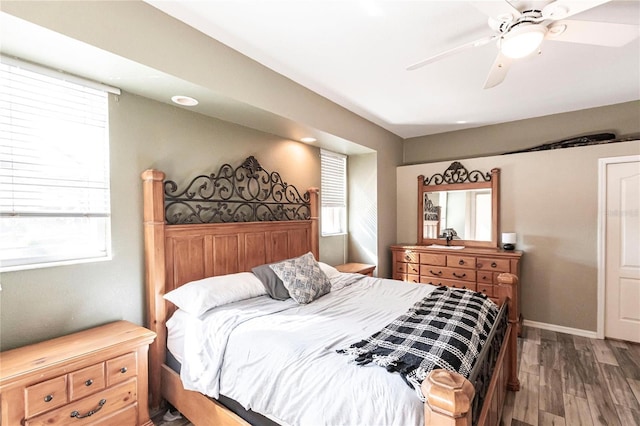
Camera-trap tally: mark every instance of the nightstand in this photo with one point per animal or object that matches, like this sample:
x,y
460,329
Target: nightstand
x,y
98,375
357,268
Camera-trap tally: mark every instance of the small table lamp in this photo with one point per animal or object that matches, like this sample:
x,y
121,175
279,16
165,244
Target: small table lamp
x,y
509,240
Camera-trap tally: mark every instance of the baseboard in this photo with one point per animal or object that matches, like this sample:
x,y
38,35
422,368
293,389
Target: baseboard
x,y
561,329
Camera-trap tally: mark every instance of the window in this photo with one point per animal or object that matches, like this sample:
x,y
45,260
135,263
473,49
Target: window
x,y
333,193
54,168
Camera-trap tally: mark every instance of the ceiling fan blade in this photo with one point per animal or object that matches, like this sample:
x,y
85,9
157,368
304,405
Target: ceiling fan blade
x,y
446,53
498,71
596,33
561,9
496,9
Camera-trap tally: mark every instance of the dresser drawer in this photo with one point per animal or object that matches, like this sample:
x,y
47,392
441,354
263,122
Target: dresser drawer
x,y
413,268
45,396
121,368
447,273
86,381
126,416
486,277
448,283
410,278
406,256
103,404
485,289
461,261
489,264
433,259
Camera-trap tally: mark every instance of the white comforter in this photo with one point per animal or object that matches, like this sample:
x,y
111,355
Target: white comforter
x,y
279,359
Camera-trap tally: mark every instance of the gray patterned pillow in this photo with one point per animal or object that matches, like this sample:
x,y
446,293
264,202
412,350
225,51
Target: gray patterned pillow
x,y
303,278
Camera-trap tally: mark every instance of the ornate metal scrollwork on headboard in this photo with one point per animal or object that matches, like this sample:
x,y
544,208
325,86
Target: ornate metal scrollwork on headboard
x,y
457,173
247,193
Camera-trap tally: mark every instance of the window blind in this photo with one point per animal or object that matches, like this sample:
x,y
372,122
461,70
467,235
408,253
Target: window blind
x,y
54,169
333,192
334,177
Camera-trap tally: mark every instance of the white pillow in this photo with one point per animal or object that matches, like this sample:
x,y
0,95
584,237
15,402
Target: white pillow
x,y
197,297
329,270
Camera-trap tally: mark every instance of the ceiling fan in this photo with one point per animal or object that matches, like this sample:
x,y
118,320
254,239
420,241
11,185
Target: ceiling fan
x,y
520,33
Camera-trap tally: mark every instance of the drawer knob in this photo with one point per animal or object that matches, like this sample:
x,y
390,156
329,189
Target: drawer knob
x,y
435,273
48,398
407,257
459,276
88,382
494,264
90,413
123,370
461,262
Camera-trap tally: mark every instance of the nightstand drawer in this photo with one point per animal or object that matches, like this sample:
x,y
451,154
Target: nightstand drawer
x,y
90,409
86,381
121,368
46,396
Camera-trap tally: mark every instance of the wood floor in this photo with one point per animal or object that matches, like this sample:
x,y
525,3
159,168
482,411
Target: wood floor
x,y
566,380
570,380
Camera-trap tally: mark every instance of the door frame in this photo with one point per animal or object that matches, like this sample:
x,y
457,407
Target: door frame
x,y
602,231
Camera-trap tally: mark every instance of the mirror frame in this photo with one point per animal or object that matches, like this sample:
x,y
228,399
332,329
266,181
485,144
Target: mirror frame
x,y
457,177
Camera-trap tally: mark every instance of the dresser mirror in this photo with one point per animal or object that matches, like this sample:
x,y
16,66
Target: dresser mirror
x,y
459,208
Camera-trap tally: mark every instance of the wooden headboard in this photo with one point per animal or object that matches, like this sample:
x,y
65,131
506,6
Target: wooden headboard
x,y
219,224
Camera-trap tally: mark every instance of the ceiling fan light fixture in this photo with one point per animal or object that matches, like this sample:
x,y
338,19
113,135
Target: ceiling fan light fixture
x,y
522,40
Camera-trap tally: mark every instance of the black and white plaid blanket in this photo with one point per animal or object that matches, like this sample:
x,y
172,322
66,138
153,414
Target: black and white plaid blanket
x,y
444,330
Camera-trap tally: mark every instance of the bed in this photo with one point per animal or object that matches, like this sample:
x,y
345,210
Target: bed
x,y
258,220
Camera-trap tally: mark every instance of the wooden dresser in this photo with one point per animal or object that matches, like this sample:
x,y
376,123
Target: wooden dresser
x,y
94,377
473,268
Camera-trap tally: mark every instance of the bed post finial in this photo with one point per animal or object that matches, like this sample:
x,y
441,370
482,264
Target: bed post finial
x,y
314,213
154,258
448,399
508,292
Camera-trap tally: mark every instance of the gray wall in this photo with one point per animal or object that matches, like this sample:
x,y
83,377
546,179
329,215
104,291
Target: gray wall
x,y
42,303
620,119
550,199
140,33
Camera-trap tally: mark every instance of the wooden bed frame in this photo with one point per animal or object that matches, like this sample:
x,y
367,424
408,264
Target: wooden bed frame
x,y
178,253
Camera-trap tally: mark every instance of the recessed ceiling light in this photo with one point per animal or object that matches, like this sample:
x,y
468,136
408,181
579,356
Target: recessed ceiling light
x,y
184,100
461,122
308,140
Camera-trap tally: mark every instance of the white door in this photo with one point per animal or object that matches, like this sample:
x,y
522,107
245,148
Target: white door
x,y
622,247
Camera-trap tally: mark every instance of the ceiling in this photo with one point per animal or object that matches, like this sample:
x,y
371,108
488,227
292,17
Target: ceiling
x,y
355,53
